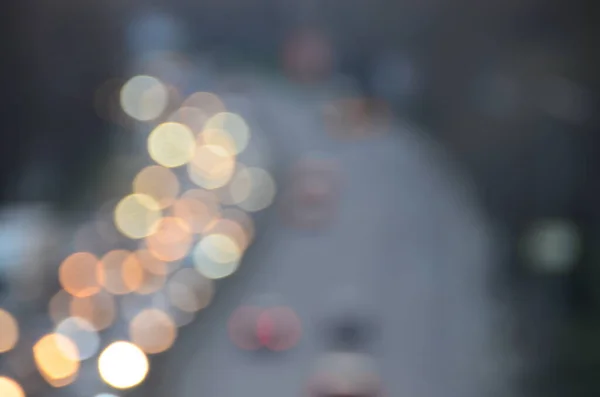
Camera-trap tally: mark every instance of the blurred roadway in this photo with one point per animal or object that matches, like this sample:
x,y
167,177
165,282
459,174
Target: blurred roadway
x,y
408,235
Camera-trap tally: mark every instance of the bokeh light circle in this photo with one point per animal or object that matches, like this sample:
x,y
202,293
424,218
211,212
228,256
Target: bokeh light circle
x,y
159,183
77,274
232,124
120,272
241,327
136,215
55,357
123,365
144,97
211,167
98,310
9,331
216,256
171,144
153,331
171,240
261,192
10,388
278,328
207,102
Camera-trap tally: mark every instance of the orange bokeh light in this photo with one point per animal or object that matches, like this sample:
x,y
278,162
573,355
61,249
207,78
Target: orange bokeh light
x,y
54,356
153,331
9,331
171,241
120,272
78,274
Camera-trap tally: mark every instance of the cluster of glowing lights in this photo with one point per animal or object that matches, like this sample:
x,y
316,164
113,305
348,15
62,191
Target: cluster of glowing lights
x,y
147,285
9,335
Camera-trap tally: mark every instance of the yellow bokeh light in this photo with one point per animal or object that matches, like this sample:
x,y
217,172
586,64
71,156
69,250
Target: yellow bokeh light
x,y
234,125
153,331
262,190
171,241
123,365
54,356
9,331
208,102
211,167
157,182
220,248
171,144
144,98
216,256
10,388
98,310
189,291
136,215
77,274
120,272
